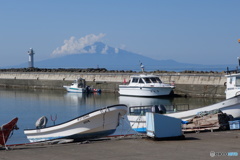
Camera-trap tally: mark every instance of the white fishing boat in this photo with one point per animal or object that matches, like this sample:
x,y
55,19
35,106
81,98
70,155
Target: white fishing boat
x,y
233,82
78,86
232,85
229,106
146,85
99,123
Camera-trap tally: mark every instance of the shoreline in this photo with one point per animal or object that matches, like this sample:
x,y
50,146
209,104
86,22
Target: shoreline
x,y
194,146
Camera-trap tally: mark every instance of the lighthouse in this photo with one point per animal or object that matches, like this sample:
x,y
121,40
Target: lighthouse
x,y
30,61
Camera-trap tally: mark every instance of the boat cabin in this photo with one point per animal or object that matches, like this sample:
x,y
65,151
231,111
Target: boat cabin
x,y
145,85
79,83
233,82
145,79
233,85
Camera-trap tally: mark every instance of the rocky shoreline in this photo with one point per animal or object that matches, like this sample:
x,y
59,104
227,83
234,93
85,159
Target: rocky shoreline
x,y
101,70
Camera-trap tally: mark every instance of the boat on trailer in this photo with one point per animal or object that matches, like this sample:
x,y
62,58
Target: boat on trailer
x,y
96,124
5,131
229,106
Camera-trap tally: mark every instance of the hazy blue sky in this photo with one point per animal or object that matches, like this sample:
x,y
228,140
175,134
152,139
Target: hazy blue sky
x,y
189,31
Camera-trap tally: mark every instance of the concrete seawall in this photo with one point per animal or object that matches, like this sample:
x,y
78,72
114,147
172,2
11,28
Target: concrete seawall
x,y
197,85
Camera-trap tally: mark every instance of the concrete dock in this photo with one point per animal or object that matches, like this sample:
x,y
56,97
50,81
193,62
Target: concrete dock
x,y
203,145
187,84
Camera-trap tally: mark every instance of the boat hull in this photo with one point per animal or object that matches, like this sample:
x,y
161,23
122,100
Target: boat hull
x,y
6,129
96,124
144,91
74,89
230,106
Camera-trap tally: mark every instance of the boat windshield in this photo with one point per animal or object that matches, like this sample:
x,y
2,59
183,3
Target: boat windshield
x,y
135,80
156,80
140,80
147,80
152,80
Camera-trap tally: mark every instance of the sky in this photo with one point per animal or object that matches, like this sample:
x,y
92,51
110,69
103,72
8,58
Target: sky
x,y
187,31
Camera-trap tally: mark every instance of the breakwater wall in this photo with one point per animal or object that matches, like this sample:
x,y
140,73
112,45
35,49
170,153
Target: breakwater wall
x,y
195,85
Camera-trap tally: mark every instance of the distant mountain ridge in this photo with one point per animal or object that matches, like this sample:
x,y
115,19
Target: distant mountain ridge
x,y
103,56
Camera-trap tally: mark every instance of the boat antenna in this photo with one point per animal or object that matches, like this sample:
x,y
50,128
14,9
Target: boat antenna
x,y
142,67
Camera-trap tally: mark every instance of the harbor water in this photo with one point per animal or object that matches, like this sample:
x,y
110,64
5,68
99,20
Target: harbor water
x,y
60,106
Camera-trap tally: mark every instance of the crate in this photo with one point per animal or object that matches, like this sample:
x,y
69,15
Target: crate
x,y
234,124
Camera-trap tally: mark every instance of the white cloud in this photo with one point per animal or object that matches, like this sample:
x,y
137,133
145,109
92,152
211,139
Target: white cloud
x,y
73,45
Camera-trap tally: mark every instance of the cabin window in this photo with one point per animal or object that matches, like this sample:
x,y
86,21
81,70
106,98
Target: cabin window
x,y
140,80
135,80
158,80
147,80
237,81
153,80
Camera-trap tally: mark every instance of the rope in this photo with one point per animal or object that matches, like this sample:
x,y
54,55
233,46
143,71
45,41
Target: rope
x,y
138,119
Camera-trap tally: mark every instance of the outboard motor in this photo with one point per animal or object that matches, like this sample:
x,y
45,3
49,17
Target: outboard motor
x,y
159,109
88,89
41,122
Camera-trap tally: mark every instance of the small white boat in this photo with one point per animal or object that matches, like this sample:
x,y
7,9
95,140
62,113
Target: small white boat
x,y
159,126
230,106
99,123
145,85
78,86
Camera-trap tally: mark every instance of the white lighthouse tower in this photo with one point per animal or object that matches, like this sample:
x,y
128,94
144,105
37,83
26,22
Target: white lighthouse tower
x,y
30,61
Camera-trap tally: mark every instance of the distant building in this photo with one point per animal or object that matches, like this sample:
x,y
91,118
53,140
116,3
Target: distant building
x,y
30,61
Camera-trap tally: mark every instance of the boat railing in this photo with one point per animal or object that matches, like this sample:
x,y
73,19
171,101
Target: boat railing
x,y
235,71
141,110
178,107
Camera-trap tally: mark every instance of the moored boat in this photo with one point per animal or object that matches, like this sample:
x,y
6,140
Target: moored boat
x,y
99,123
229,106
147,85
78,86
233,82
232,85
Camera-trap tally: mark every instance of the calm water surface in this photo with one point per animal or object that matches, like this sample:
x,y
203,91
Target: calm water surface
x,y
29,105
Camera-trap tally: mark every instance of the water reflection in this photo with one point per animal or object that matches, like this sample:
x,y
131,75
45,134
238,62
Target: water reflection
x,y
29,105
144,101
